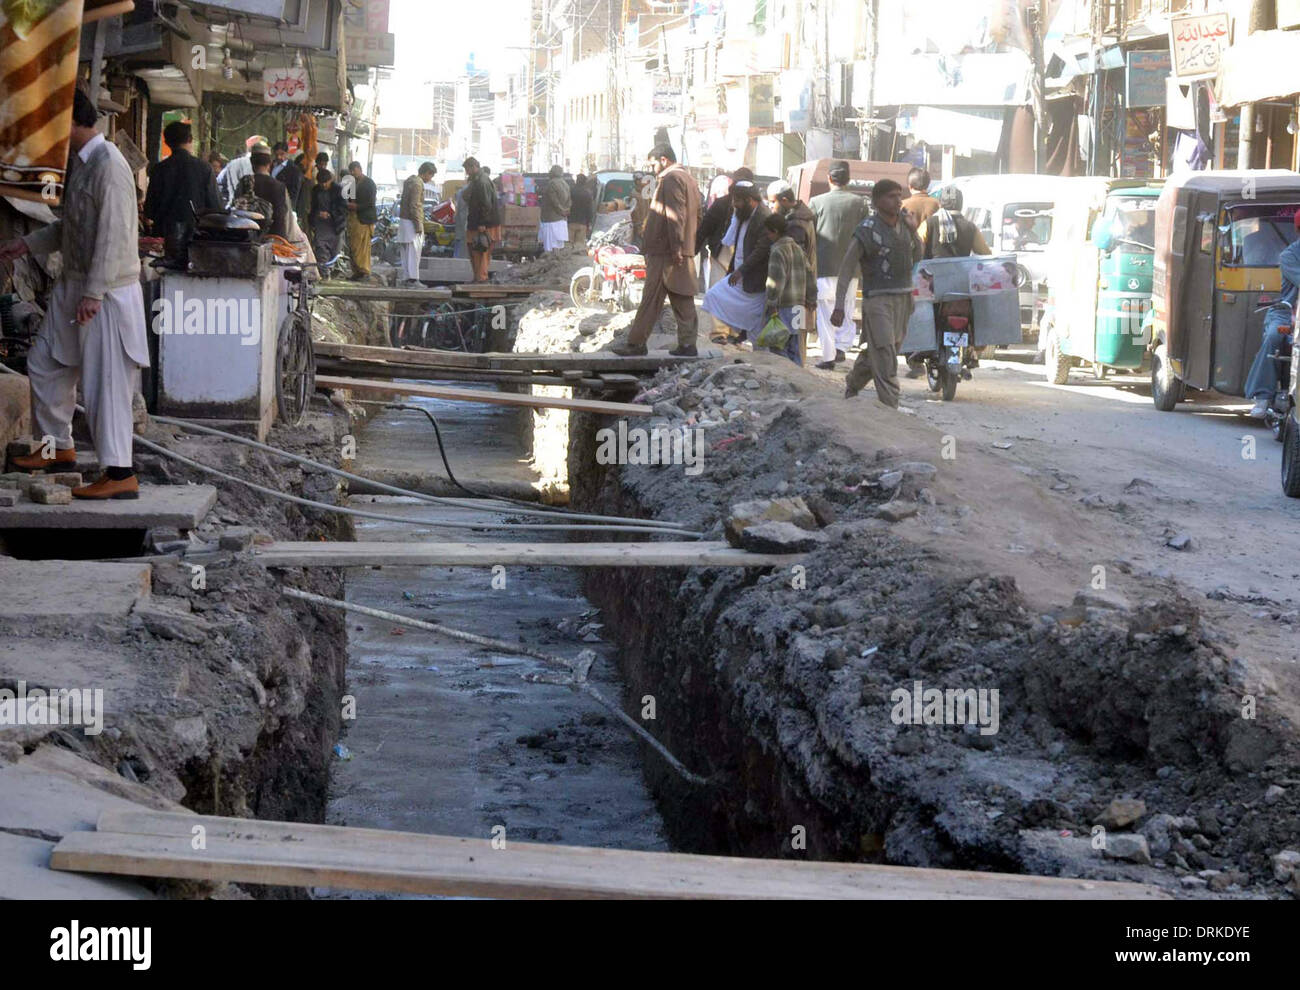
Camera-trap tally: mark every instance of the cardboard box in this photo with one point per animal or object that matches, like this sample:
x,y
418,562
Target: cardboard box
x,y
521,216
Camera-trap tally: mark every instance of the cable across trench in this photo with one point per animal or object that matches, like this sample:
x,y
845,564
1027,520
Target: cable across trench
x,y
581,522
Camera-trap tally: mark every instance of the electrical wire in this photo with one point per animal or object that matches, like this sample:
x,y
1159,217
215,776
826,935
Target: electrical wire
x,y
529,508
644,527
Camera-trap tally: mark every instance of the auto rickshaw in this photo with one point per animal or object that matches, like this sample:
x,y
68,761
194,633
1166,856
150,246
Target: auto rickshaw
x,y
1218,237
1099,269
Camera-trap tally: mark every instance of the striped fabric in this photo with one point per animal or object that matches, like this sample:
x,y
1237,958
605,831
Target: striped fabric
x,y
39,41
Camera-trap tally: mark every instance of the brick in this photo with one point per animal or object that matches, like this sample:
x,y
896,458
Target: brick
x,y
47,494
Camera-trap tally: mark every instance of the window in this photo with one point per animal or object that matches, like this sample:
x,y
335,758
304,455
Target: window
x,y
1026,226
1257,233
1179,234
1132,223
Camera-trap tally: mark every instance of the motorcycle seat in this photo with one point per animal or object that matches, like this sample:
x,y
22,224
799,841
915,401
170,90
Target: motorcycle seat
x,y
625,260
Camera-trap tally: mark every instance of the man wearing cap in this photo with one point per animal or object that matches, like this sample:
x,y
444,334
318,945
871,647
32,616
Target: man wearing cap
x,y
94,329
262,185
556,204
884,248
1262,382
836,215
668,245
737,301
236,169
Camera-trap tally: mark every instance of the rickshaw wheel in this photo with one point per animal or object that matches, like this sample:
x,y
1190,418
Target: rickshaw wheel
x,y
1291,456
1166,389
1055,364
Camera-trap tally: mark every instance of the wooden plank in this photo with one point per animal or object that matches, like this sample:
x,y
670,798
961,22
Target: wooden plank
x,y
454,269
684,553
453,394
382,293
388,370
481,289
158,844
601,361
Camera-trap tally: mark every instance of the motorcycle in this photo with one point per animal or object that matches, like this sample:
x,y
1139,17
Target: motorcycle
x,y
963,305
1282,402
614,280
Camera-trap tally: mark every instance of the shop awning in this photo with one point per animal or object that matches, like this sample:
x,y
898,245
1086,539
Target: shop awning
x,y
979,79
1259,67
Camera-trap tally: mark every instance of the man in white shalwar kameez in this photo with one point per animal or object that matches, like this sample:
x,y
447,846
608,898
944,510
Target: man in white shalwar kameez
x,y
94,329
410,224
738,300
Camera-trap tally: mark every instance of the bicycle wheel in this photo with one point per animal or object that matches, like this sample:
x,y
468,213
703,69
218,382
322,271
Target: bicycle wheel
x,y
295,368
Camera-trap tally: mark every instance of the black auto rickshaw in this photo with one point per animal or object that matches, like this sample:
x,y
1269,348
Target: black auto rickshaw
x,y
1218,238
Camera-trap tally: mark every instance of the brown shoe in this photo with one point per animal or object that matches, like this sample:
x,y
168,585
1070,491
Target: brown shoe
x,y
106,488
36,462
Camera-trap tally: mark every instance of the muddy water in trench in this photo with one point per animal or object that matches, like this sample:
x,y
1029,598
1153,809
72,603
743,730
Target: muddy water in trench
x,y
434,747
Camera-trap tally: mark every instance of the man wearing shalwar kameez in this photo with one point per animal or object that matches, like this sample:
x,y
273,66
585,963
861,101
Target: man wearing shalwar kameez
x,y
94,329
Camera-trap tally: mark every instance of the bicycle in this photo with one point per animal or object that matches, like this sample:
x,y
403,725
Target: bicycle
x,y
295,362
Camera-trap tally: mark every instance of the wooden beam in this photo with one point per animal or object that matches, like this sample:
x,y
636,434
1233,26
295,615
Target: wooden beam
x,y
239,850
382,293
453,394
683,553
600,361
388,370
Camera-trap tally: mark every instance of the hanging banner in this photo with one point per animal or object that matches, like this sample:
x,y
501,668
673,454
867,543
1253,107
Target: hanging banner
x,y
285,85
39,43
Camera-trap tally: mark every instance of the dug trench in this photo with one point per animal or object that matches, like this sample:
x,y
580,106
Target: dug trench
x,y
1131,740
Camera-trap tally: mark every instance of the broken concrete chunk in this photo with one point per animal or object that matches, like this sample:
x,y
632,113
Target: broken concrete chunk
x,y
788,510
779,537
1179,541
70,478
47,494
9,497
22,447
1122,812
1127,846
236,538
896,511
1285,865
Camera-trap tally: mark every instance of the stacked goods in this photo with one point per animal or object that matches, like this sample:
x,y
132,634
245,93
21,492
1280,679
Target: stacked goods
x,y
519,223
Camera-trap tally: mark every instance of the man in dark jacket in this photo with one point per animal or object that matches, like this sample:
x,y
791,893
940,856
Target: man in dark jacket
x,y
713,227
361,221
328,218
582,212
668,245
179,185
262,185
737,301
483,227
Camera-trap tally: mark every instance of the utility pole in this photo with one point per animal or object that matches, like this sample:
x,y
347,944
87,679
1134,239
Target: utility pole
x,y
1035,17
613,89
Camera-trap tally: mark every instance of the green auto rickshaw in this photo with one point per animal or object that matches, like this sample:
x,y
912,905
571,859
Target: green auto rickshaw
x,y
1099,270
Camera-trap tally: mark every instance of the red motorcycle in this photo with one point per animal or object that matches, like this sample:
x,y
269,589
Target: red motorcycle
x,y
614,281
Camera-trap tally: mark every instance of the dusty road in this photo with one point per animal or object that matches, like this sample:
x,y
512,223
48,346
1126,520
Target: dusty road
x,y
1113,479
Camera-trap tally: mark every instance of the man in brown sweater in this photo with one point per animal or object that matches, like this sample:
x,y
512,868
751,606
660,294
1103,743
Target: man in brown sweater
x,y
669,248
919,204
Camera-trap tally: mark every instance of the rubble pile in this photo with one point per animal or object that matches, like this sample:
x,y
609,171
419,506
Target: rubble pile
x,y
1114,747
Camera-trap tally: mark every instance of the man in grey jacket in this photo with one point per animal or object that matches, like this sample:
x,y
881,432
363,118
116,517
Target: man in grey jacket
x,y
836,214
94,329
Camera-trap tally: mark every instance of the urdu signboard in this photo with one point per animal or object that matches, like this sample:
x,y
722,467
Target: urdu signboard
x,y
1196,43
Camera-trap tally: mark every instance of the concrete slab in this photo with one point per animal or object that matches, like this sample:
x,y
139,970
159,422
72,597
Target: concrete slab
x,y
90,590
164,506
48,805
25,874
